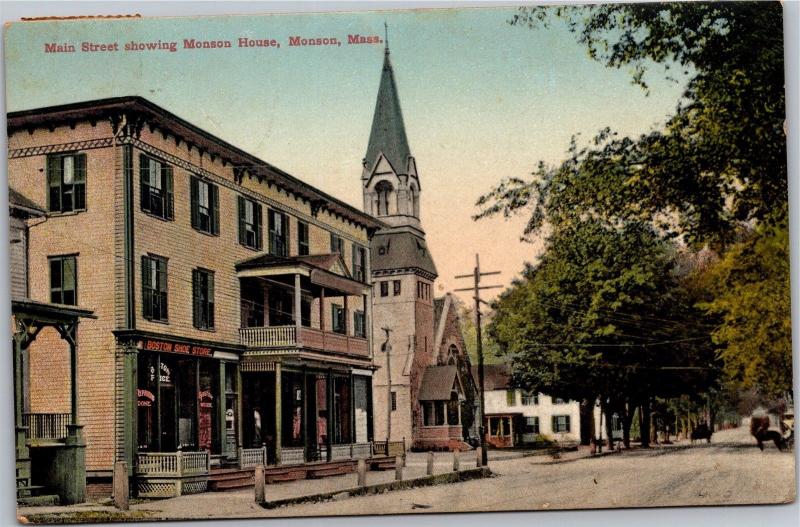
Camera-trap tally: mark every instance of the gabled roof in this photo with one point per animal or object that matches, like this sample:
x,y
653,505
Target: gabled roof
x,y
388,134
495,376
438,382
332,262
23,203
400,250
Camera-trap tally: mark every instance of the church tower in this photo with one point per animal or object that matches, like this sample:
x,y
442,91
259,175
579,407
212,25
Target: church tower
x,y
402,269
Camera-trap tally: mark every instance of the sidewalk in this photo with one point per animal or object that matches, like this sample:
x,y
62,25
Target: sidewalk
x,y
241,503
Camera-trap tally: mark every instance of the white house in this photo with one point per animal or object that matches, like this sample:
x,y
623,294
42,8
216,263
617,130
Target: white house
x,y
515,417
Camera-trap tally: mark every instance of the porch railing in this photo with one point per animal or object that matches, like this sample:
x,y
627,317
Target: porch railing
x,y
250,457
293,456
46,426
268,337
280,336
173,463
351,451
389,448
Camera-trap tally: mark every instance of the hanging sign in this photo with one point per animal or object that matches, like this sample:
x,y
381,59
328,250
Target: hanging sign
x,y
175,347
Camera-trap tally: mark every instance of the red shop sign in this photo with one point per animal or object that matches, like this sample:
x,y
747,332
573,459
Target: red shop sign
x,y
175,347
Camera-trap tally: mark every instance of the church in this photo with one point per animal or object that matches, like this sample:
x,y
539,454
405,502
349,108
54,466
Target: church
x,y
423,391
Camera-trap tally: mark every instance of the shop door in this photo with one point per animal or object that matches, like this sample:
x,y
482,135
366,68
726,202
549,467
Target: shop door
x,y
168,419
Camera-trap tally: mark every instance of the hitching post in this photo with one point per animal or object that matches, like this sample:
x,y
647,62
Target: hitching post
x,y
259,481
430,464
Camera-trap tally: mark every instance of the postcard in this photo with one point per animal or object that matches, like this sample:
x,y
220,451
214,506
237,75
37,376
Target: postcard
x,y
401,261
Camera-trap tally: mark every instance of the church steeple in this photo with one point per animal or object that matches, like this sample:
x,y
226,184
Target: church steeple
x,y
388,134
389,178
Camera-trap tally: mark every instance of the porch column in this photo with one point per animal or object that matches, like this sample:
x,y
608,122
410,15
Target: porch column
x,y
298,317
304,412
72,335
278,405
329,404
222,403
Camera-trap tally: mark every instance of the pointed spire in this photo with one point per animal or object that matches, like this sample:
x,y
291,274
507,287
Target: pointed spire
x,y
388,134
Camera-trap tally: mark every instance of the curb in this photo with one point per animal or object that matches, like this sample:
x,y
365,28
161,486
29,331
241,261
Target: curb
x,y
425,481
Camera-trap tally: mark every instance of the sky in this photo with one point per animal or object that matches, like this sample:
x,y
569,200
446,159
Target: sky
x,y
482,101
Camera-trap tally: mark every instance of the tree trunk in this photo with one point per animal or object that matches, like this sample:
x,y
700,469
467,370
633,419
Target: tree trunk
x,y
609,428
627,421
646,422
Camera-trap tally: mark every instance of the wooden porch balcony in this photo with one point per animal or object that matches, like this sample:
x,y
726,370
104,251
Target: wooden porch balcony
x,y
46,427
317,339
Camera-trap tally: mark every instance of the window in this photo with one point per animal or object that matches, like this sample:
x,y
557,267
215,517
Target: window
x,y
394,401
64,280
384,288
203,298
338,319
530,399
337,244
154,288
249,223
423,290
278,233
359,263
302,238
66,181
561,423
205,206
511,397
359,324
396,286
383,192
157,194
531,425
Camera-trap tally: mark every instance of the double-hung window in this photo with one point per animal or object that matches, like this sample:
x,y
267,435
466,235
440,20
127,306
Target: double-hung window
x,y
249,223
530,398
396,287
205,206
359,324
278,233
203,298
359,263
154,288
561,423
157,195
64,280
337,244
66,182
532,425
338,319
384,288
302,238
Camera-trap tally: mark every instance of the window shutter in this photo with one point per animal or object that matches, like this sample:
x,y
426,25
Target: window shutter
x,y
355,261
54,184
195,198
147,291
169,192
257,219
210,299
242,226
79,187
333,243
286,237
510,397
213,194
144,182
196,298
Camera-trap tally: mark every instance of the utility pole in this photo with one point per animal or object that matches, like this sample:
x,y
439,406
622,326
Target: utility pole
x,y
476,289
387,348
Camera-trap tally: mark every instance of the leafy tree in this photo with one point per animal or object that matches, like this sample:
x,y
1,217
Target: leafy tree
x,y
720,159
492,353
600,316
751,294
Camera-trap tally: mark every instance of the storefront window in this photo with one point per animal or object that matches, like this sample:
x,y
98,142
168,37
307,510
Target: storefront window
x,y
292,412
146,403
231,390
362,395
341,408
208,431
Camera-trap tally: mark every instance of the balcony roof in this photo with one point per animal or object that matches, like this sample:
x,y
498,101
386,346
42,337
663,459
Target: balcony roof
x,y
325,270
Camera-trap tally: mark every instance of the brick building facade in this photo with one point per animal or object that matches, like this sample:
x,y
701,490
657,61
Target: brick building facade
x,y
232,300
